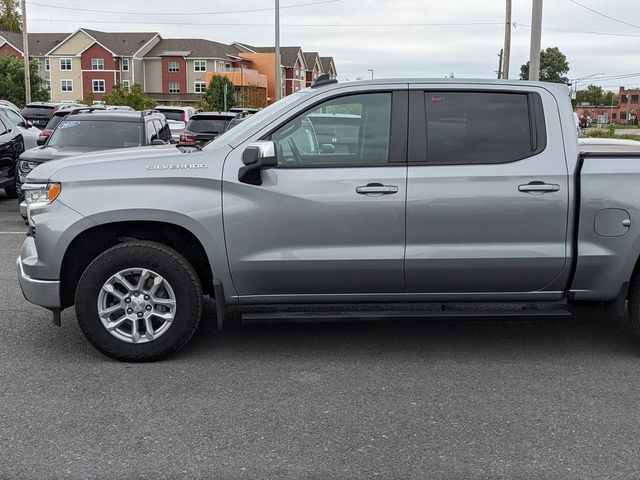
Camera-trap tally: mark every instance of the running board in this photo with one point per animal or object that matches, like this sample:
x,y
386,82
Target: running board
x,y
289,316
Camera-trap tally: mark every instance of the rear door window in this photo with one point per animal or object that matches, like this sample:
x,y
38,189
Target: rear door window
x,y
482,127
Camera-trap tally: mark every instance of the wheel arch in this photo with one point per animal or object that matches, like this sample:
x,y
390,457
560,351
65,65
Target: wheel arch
x,y
91,242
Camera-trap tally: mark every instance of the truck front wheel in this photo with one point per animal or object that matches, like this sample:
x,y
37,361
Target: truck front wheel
x,y
139,301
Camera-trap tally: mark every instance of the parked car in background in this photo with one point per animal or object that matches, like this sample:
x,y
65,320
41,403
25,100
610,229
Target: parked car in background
x,y
11,146
7,103
39,113
177,127
244,110
180,114
29,132
205,126
60,115
89,130
238,119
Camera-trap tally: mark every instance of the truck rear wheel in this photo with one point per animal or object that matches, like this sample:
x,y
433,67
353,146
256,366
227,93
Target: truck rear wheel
x,y
139,301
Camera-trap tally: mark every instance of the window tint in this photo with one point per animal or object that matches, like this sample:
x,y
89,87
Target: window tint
x,y
352,130
4,128
96,134
479,127
215,124
13,116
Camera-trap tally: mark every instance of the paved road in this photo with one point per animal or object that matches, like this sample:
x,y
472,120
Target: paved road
x,y
544,399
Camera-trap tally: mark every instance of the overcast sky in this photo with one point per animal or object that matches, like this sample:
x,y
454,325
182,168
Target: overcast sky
x,y
357,32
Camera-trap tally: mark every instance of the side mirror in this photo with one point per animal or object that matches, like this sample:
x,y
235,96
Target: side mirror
x,y
41,141
255,157
28,124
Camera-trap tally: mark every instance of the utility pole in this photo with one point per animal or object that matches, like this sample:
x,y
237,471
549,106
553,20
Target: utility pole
x,y
25,54
500,56
278,72
225,96
371,70
507,41
536,38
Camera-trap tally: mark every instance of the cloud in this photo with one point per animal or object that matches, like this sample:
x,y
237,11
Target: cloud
x,y
408,50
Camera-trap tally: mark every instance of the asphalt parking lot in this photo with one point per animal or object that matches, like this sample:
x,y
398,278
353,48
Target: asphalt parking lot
x,y
434,399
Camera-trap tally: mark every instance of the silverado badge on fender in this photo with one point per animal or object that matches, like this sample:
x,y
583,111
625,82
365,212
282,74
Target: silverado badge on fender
x,y
177,166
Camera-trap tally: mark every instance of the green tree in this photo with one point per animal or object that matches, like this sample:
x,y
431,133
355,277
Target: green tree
x,y
10,17
214,96
135,97
12,81
595,95
553,66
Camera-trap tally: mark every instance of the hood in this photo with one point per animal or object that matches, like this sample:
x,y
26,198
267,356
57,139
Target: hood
x,y
44,153
123,163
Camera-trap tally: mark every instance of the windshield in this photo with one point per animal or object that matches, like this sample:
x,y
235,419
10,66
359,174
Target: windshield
x,y
250,123
172,114
15,118
55,120
208,124
96,134
37,111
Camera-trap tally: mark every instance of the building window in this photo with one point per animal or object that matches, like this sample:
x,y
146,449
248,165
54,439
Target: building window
x,y
125,64
97,64
65,64
624,99
66,85
623,115
48,84
634,98
199,65
126,84
174,87
98,86
174,66
47,64
199,87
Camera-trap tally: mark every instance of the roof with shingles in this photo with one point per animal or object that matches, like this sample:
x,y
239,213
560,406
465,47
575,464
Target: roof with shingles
x,y
198,48
121,43
39,43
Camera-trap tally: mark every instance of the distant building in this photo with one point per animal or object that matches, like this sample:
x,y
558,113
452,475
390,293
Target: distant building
x,y
91,62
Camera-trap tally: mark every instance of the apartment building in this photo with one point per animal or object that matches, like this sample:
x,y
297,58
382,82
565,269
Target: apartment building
x,y
89,62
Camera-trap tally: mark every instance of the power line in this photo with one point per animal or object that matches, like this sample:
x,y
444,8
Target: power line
x,y
115,12
603,14
584,32
459,24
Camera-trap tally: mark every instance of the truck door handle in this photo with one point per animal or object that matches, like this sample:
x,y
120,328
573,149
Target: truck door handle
x,y
377,188
538,187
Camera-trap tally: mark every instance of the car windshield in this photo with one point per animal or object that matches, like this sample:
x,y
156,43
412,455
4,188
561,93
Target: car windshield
x,y
208,124
172,114
15,118
55,120
38,111
250,123
97,134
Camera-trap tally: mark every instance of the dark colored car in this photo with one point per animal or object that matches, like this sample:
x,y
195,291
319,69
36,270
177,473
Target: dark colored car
x,y
11,146
90,130
239,118
39,113
205,126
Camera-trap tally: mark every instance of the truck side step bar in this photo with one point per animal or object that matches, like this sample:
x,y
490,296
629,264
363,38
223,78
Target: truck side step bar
x,y
320,316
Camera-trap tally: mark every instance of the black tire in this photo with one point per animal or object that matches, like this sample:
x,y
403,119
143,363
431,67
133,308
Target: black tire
x,y
164,261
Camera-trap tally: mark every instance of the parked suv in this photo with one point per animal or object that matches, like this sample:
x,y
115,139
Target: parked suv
x,y
11,146
89,130
180,114
39,113
205,126
29,132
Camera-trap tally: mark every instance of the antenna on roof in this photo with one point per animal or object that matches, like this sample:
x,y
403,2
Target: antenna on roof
x,y
323,79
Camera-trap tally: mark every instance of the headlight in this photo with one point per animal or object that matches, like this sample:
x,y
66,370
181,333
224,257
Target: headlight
x,y
26,166
38,194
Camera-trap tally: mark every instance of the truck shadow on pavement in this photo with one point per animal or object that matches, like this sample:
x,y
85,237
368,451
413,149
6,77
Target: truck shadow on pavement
x,y
592,332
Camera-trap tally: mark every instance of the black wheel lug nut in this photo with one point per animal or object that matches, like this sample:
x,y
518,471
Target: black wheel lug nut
x,y
139,314
129,310
148,307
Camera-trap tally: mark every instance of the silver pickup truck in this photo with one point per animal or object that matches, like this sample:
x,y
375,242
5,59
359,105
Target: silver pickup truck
x,y
400,193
